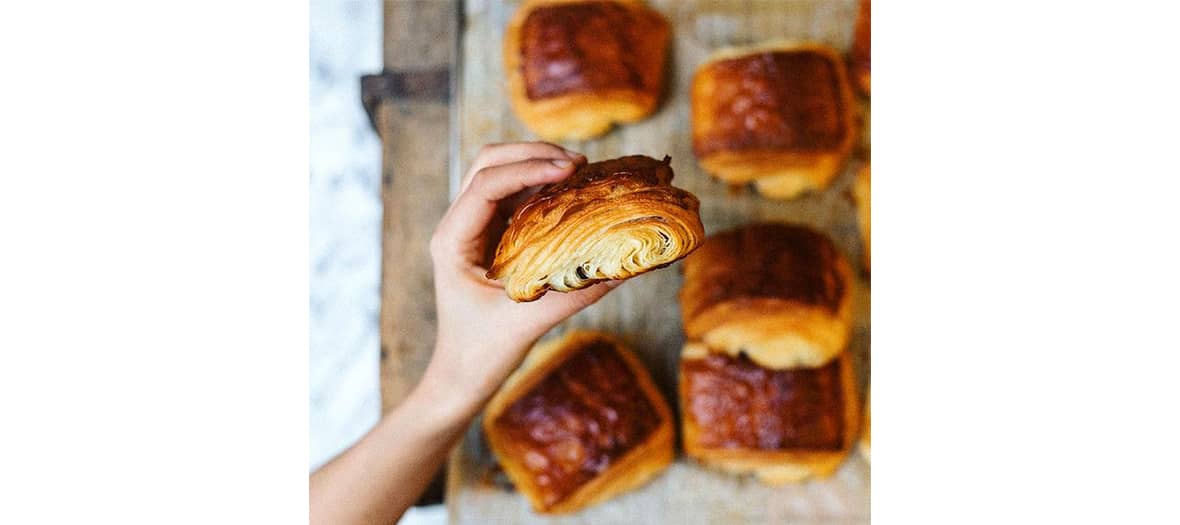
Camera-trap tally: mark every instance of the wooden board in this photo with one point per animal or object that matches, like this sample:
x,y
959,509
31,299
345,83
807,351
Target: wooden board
x,y
644,311
411,108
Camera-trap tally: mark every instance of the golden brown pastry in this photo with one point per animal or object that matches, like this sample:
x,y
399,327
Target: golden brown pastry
x,y
858,58
785,425
575,67
861,194
613,219
778,115
579,422
780,293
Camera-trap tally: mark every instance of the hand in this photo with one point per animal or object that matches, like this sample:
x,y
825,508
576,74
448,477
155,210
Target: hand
x,y
482,334
482,337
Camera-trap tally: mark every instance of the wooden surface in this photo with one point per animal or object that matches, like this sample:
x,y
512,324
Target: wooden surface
x,y
410,106
644,311
413,118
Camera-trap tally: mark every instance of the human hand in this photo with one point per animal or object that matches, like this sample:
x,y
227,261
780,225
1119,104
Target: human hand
x,y
482,334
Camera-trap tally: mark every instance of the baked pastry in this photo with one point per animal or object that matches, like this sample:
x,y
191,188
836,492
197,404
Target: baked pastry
x,y
766,380
861,194
579,422
575,67
613,219
785,425
778,115
780,293
858,58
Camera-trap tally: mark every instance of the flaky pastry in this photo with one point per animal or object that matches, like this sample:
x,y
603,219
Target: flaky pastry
x,y
784,425
576,67
579,422
778,115
780,293
613,219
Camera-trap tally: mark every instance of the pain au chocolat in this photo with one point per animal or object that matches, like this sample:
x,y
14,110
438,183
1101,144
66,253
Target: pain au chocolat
x,y
766,380
779,116
579,422
784,425
576,67
780,293
610,220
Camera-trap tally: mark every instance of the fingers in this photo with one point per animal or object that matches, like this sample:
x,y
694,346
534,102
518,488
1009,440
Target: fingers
x,y
497,154
467,219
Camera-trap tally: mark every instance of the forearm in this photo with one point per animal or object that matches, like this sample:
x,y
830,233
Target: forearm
x,y
377,479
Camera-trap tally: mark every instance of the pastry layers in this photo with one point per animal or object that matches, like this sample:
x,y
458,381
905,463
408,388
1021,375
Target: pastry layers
x,y
613,219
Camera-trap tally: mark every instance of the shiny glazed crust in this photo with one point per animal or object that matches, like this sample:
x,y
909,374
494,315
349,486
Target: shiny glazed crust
x,y
780,293
629,471
613,219
861,194
773,467
777,171
586,114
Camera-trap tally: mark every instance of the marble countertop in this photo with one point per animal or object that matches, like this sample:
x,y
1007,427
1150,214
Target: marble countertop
x,y
345,227
345,234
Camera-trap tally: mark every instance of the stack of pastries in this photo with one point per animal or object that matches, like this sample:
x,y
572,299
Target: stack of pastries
x,y
766,378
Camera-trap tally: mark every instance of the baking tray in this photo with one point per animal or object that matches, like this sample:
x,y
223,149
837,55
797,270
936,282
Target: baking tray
x,y
644,312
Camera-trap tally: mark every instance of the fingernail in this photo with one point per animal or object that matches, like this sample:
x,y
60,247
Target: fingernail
x,y
572,153
612,284
561,163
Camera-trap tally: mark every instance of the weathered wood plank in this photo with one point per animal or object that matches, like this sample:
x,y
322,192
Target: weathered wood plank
x,y
413,120
411,106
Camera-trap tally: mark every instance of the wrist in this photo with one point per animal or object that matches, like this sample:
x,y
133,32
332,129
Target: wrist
x,y
449,398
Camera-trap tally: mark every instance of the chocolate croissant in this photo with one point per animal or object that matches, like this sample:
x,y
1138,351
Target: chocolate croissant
x,y
578,423
777,115
576,67
780,293
613,219
783,424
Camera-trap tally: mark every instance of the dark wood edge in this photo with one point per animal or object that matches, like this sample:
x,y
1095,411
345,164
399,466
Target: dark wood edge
x,y
433,85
